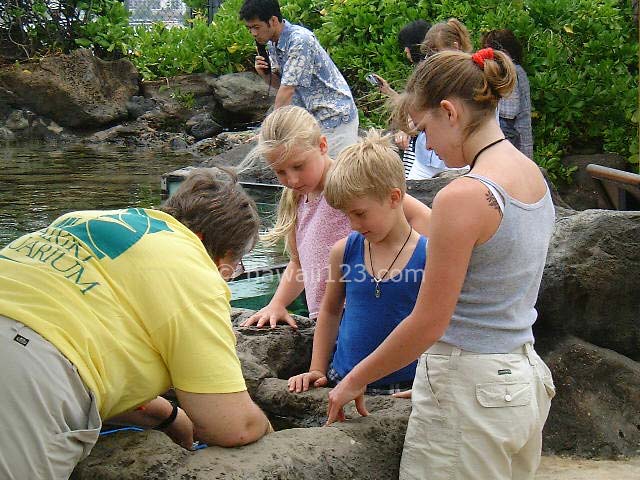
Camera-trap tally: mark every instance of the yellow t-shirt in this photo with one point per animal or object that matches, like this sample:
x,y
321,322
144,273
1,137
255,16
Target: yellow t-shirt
x,y
131,298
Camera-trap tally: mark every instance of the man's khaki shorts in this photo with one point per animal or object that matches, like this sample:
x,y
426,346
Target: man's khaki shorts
x,y
49,420
341,137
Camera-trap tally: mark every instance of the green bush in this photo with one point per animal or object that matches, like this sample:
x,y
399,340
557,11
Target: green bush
x,y
581,55
36,27
581,58
225,46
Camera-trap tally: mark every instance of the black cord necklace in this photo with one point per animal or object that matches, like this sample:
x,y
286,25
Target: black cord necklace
x,y
473,162
378,292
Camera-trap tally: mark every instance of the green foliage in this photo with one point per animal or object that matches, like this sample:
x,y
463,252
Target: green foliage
x,y
362,36
580,55
308,13
108,32
225,46
36,27
199,5
186,99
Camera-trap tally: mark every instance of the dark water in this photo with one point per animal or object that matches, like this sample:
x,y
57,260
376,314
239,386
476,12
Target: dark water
x,y
39,183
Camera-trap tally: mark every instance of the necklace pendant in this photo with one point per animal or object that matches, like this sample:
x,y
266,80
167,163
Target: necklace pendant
x,y
378,292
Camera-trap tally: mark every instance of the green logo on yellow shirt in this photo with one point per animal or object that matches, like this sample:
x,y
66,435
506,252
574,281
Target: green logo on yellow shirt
x,y
70,243
112,235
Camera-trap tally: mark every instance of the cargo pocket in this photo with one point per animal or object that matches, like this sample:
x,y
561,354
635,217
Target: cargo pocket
x,y
495,395
547,379
66,449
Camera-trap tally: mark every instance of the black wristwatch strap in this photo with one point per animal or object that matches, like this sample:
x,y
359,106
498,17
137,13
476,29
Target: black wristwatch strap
x,y
169,420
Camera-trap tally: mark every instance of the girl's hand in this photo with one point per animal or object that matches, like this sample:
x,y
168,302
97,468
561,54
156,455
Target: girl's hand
x,y
181,430
271,314
384,87
405,394
402,140
302,382
340,396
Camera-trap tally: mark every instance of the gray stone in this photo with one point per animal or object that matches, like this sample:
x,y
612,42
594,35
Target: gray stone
x,y
284,351
232,158
6,135
55,128
244,96
203,126
18,120
178,99
139,105
596,411
363,448
75,90
177,143
250,167
590,286
581,194
180,87
41,130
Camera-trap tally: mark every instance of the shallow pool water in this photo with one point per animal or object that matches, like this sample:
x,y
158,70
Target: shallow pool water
x,y
40,182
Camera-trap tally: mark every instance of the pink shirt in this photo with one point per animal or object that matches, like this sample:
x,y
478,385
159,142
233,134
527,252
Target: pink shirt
x,y
318,228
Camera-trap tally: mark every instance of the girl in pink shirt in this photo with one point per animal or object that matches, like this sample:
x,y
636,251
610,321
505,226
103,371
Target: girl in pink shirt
x,y
292,144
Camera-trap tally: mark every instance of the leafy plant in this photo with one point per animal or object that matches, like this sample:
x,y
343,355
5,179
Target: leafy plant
x,y
580,55
186,99
108,32
581,58
225,46
35,27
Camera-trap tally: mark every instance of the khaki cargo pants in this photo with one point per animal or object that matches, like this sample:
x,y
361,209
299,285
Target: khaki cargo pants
x,y
476,416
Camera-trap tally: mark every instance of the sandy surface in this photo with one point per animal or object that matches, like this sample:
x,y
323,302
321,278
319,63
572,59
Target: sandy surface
x,y
562,468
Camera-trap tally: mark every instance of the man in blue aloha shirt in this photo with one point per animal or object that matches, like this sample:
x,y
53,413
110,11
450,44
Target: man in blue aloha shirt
x,y
303,72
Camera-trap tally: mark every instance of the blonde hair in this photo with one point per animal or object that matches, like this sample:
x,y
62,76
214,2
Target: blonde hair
x,y
369,168
445,36
286,128
454,74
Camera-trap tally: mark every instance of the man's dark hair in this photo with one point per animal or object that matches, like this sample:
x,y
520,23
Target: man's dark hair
x,y
211,202
411,36
263,10
504,40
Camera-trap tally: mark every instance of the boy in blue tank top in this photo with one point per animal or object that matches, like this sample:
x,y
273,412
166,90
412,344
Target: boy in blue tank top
x,y
374,273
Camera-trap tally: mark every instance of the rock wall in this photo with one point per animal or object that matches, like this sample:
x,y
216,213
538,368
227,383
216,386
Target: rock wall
x,y
78,98
75,90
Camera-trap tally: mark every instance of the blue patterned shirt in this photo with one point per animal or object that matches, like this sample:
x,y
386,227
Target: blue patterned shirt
x,y
320,88
515,113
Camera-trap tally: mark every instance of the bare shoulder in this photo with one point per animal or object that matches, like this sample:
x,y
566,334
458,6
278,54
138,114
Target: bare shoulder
x,y
337,251
464,210
461,193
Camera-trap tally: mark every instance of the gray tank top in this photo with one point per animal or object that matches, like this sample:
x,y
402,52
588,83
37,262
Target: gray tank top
x,y
495,310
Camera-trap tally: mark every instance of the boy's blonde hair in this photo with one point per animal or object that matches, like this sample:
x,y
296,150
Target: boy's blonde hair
x,y
369,168
286,128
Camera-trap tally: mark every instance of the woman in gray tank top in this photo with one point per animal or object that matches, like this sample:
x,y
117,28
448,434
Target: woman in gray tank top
x,y
481,394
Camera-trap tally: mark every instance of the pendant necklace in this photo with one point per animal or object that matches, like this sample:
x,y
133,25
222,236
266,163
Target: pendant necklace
x,y
378,292
473,162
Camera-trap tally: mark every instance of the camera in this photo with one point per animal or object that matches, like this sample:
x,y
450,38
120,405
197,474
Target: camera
x,y
262,51
372,79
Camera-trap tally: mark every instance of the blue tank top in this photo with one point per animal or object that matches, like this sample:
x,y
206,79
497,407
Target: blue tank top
x,y
368,320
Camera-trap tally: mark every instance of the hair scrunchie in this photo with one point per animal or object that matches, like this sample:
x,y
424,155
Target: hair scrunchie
x,y
481,55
